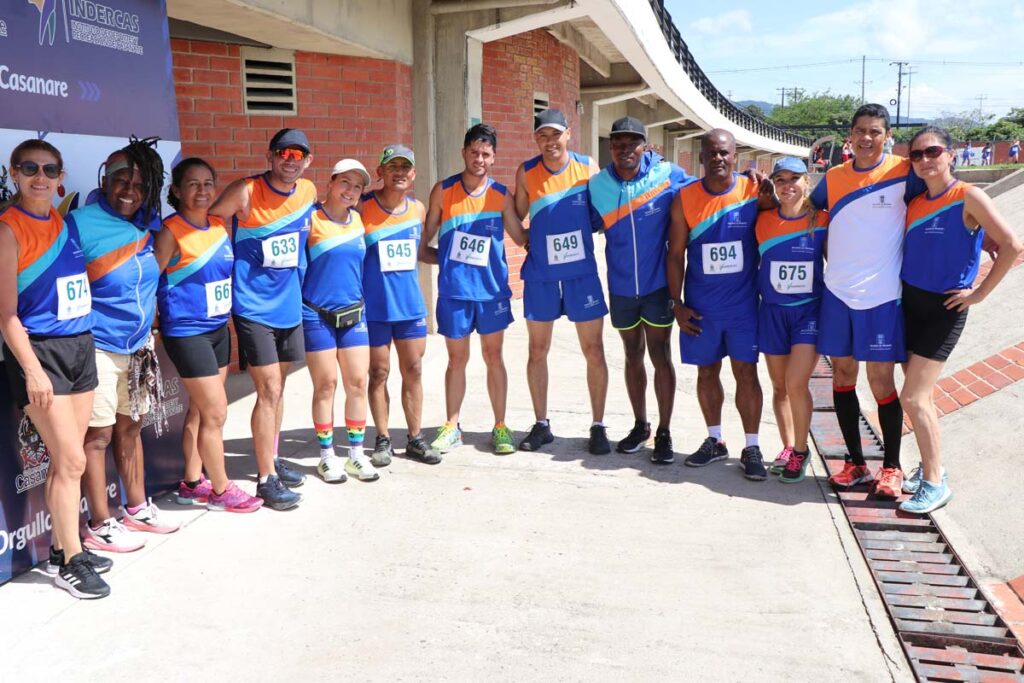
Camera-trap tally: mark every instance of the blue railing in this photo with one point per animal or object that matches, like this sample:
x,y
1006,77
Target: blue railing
x,y
723,104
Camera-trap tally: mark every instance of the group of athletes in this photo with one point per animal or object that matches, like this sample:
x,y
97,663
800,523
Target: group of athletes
x,y
736,261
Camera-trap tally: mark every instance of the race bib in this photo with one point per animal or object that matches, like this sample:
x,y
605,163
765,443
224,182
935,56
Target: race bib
x,y
792,277
722,258
281,251
565,248
74,298
470,249
397,255
218,298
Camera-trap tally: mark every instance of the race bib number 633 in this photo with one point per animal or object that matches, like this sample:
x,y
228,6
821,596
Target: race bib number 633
x,y
281,251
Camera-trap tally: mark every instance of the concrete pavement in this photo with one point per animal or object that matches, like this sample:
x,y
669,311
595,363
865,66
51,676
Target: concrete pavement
x,y
545,566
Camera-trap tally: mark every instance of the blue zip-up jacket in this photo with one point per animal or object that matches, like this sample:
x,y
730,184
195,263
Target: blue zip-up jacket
x,y
635,216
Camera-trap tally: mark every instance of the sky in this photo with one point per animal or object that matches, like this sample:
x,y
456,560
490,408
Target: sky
x,y
728,38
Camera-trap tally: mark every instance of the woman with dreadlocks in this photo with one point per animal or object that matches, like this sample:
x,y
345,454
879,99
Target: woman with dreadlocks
x,y
194,301
45,315
117,240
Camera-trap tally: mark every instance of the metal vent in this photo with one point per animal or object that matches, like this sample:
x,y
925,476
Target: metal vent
x,y
541,101
268,81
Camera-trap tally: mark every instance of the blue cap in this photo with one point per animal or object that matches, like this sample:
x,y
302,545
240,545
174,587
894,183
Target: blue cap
x,y
791,164
397,152
289,137
550,118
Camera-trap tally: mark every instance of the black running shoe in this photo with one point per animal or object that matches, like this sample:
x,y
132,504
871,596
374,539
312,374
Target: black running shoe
x,y
753,464
598,443
382,452
276,495
420,449
101,564
636,438
79,578
712,450
539,436
289,477
663,454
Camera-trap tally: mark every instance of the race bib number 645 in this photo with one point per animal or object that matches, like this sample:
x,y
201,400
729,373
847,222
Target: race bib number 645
x,y
397,255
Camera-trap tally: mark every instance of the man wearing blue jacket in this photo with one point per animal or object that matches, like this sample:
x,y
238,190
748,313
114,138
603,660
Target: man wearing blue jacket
x,y
630,202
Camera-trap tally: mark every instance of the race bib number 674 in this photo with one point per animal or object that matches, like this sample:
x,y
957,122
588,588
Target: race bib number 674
x,y
74,298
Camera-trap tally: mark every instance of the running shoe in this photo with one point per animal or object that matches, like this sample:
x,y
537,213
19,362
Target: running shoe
x,y
928,498
753,464
332,469
276,495
796,467
187,495
80,578
598,442
420,449
636,439
382,452
448,438
663,454
890,483
501,440
234,499
288,475
540,435
359,466
712,450
101,564
147,519
112,537
781,459
911,483
851,475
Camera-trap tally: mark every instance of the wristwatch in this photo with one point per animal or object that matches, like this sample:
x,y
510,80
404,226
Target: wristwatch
x,y
672,303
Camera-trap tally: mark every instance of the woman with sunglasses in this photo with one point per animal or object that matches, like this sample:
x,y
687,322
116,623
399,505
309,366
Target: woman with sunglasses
x,y
790,276
941,253
49,353
194,254
333,322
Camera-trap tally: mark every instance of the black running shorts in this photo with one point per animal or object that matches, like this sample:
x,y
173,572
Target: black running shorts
x,y
200,355
932,330
260,345
69,362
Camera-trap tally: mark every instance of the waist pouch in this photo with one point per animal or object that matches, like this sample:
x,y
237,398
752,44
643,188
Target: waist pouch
x,y
339,318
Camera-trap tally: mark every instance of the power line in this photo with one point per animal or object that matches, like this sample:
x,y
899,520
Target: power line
x,y
807,65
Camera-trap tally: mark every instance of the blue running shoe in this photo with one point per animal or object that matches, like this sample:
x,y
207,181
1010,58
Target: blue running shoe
x,y
276,495
712,450
289,476
929,497
911,483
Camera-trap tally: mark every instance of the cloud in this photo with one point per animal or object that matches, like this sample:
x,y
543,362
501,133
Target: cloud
x,y
736,21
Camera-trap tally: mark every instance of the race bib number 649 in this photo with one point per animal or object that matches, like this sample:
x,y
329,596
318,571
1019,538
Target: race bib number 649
x,y
565,248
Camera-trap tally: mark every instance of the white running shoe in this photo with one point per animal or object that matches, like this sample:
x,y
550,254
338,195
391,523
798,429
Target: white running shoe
x,y
112,537
332,469
148,519
360,467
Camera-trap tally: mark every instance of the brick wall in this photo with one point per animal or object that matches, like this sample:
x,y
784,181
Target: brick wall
x,y
348,106
513,69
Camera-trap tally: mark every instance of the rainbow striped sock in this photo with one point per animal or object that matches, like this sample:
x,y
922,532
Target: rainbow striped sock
x,y
356,433
325,435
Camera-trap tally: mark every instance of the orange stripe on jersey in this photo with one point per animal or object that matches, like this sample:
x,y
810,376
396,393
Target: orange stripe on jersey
x,y
613,217
701,206
771,225
921,207
268,206
193,242
457,202
112,259
34,236
844,180
377,220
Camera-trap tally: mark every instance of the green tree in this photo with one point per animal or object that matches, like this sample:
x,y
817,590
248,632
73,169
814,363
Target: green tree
x,y
755,110
817,109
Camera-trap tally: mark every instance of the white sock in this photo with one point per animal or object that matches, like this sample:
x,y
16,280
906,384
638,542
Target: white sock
x,y
595,423
353,451
263,480
326,452
751,440
715,432
543,422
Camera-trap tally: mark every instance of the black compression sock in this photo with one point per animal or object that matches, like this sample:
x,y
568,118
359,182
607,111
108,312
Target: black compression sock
x,y
193,484
848,414
890,417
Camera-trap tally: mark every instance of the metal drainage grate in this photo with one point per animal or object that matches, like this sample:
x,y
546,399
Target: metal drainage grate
x,y
947,627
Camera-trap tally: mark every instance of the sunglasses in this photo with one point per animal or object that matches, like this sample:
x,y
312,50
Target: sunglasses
x,y
932,152
31,168
289,154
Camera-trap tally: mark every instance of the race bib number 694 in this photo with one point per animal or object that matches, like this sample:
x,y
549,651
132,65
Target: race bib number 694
x,y
722,258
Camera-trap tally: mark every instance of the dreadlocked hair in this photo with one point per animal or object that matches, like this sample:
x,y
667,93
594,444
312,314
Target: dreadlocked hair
x,y
142,155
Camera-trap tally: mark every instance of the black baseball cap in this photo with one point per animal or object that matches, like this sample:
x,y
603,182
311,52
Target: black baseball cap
x,y
550,118
289,137
397,151
628,125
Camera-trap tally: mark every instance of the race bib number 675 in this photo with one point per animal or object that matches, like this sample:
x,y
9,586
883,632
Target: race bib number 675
x,y
792,277
281,251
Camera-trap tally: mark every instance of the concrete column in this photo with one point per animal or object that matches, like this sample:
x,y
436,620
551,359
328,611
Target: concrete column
x,y
424,127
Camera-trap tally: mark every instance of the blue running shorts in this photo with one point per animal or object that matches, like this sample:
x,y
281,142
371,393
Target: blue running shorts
x,y
780,327
735,337
581,299
874,334
456,318
382,334
320,336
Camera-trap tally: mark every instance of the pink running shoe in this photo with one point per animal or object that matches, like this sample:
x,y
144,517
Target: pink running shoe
x,y
147,519
234,499
200,494
781,459
112,537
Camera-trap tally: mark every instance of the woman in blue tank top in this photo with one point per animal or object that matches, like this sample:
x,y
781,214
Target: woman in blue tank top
x,y
49,354
193,251
941,254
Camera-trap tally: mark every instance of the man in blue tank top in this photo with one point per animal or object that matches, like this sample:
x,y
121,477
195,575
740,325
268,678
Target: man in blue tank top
x,y
630,203
560,272
470,213
270,215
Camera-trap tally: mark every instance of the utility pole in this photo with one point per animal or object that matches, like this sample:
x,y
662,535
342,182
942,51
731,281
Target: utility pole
x,y
910,81
899,89
863,69
981,106
782,91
